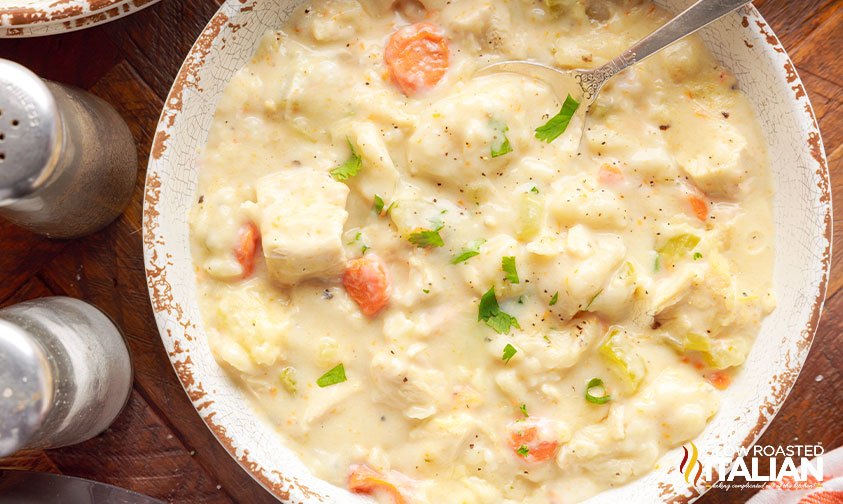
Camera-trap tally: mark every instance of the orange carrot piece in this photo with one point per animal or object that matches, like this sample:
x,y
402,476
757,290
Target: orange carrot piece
x,y
367,282
247,244
699,206
417,57
363,479
609,174
531,439
720,379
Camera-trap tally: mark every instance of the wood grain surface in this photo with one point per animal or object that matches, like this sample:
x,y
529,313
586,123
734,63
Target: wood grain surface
x,y
159,446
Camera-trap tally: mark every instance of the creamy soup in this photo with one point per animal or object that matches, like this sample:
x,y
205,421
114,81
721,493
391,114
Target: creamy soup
x,y
438,295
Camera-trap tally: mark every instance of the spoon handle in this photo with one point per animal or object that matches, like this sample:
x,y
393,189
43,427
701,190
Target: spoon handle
x,y
687,22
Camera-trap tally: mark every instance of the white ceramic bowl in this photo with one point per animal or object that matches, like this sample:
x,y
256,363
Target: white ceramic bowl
x,y
802,203
34,18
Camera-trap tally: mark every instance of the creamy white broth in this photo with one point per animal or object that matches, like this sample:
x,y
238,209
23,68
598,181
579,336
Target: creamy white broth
x,y
603,235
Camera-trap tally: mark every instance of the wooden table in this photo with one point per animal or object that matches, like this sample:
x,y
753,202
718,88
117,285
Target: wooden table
x,y
159,446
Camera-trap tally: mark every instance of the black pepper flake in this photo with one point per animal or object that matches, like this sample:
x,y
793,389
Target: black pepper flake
x,y
664,127
201,199
327,294
725,114
405,379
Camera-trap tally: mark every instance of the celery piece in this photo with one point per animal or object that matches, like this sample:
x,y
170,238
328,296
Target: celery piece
x,y
726,353
288,380
696,342
530,213
678,247
619,351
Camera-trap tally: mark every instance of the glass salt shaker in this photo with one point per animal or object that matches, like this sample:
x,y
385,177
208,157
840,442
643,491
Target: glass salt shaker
x,y
65,373
68,161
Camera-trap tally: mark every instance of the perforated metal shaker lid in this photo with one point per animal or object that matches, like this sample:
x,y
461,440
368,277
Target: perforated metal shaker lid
x,y
30,131
26,387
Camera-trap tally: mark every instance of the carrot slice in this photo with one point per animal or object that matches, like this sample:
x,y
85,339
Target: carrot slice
x,y
367,282
417,57
609,174
247,244
531,438
720,379
699,206
363,479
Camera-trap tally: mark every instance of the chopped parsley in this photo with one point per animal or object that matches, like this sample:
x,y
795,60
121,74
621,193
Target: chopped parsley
x,y
558,123
595,383
592,300
523,409
554,299
365,248
697,255
523,451
356,237
471,249
500,144
332,377
508,352
426,238
534,190
391,206
508,267
378,205
426,291
490,313
350,168
657,264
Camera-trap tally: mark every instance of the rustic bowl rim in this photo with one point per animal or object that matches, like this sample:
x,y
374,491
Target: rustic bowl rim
x,y
47,17
167,313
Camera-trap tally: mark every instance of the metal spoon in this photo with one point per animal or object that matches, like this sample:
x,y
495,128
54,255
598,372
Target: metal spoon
x,y
584,85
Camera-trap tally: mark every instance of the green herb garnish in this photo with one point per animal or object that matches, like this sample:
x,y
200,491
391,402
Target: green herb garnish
x,y
523,451
523,409
508,352
471,249
426,238
534,190
558,123
592,300
554,299
378,205
697,255
508,267
594,383
490,313
332,377
350,168
500,144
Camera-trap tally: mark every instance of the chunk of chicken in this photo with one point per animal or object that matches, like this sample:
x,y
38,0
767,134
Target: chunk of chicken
x,y
302,212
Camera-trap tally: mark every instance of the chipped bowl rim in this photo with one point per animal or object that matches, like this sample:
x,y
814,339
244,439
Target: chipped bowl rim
x,y
49,17
179,332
